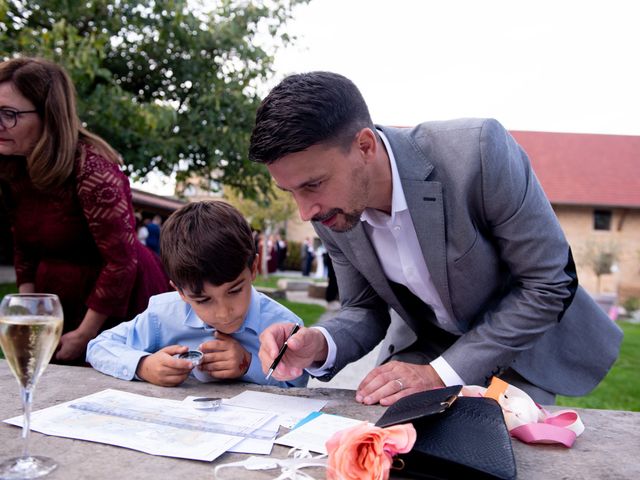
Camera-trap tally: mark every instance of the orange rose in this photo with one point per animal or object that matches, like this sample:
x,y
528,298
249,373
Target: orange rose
x,y
365,452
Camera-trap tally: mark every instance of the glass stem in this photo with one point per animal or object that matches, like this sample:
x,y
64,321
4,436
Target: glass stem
x,y
27,397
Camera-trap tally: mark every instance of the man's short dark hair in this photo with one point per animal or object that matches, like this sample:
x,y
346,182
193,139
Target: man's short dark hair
x,y
206,242
305,110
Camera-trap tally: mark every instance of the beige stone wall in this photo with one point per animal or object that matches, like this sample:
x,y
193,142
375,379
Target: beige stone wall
x,y
297,230
577,223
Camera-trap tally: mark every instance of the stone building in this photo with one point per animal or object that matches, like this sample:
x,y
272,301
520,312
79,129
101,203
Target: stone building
x,y
593,184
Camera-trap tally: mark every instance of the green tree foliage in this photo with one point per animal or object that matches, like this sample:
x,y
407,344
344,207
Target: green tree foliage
x,y
171,84
263,211
601,257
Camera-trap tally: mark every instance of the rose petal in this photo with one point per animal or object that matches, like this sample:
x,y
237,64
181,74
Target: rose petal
x,y
400,438
364,452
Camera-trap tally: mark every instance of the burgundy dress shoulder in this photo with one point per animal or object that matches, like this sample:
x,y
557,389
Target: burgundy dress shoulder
x,y
79,242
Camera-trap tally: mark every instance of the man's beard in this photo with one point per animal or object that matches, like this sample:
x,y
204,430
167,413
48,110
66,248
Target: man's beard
x,y
351,219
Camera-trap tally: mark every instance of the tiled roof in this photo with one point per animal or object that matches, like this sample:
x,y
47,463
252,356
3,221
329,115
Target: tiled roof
x,y
155,203
585,169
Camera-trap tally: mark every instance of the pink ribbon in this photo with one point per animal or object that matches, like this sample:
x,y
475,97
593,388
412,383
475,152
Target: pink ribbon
x,y
554,429
561,427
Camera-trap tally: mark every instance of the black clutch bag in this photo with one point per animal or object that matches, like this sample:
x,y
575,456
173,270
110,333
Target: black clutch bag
x,y
457,437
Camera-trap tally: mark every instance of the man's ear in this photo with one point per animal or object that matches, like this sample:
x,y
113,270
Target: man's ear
x,y
367,143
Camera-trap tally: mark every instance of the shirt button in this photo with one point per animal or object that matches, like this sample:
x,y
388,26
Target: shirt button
x,y
125,372
397,228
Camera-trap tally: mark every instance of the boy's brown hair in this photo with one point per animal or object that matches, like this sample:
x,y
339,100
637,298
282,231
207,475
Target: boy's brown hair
x,y
206,241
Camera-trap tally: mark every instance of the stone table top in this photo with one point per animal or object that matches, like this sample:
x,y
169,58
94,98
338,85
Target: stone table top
x,y
609,448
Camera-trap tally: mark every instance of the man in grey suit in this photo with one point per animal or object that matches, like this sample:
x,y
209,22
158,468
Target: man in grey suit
x,y
443,228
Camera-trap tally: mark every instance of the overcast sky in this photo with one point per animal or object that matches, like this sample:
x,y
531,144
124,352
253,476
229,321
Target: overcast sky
x,y
548,65
544,65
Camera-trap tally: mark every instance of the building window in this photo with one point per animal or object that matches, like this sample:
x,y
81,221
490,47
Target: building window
x,y
602,219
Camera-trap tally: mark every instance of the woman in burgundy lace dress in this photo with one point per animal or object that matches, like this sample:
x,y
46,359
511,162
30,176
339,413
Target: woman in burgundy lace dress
x,y
70,206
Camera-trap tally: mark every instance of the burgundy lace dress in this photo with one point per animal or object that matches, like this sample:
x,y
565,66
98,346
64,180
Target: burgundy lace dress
x,y
79,241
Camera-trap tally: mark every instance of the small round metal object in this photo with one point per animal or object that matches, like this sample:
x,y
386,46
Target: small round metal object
x,y
206,403
400,384
194,356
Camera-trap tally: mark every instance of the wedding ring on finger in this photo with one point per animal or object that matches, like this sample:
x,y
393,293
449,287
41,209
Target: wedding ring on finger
x,y
400,384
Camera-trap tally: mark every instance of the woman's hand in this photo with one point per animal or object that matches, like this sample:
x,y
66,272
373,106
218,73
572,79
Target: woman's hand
x,y
73,345
27,288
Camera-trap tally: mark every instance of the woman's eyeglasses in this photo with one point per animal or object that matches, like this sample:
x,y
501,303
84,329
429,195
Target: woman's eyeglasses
x,y
9,117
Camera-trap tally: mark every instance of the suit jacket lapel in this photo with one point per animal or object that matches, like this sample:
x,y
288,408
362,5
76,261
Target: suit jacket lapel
x,y
424,199
366,256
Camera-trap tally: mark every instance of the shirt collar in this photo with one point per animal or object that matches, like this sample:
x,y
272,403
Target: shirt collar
x,y
398,202
251,320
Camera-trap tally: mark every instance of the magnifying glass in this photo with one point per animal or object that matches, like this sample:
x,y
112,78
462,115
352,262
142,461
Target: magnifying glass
x,y
194,356
206,403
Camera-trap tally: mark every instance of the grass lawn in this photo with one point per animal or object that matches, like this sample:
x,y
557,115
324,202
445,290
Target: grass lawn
x,y
272,280
6,288
308,312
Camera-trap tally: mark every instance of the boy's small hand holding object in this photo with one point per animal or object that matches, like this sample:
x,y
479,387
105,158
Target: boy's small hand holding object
x,y
224,357
162,368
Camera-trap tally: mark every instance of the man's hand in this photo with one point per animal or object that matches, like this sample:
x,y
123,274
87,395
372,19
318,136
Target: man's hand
x,y
224,357
390,382
307,346
162,368
73,345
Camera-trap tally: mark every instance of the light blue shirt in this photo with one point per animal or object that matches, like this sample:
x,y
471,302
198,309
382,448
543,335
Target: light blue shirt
x,y
168,320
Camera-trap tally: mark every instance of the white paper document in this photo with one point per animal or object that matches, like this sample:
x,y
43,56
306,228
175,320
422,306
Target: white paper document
x,y
155,429
252,445
290,409
312,435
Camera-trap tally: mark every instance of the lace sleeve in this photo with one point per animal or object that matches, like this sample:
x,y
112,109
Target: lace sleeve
x,y
105,198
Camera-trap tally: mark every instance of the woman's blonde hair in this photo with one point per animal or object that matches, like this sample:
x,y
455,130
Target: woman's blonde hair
x,y
48,86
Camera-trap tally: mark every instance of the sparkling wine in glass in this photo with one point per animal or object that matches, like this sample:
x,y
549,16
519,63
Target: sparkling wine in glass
x,y
30,328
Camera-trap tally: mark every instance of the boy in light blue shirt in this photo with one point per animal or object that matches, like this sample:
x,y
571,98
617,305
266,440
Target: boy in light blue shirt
x,y
208,252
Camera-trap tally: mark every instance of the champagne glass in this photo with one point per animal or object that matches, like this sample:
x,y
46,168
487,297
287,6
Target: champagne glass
x,y
30,328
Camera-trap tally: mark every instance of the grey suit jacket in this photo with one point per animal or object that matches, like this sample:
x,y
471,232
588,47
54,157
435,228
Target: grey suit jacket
x,y
497,256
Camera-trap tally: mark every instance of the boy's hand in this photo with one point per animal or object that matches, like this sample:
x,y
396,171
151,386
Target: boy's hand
x,y
224,357
307,346
162,368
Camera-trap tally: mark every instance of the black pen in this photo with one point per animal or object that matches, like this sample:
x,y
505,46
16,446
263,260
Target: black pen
x,y
283,349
